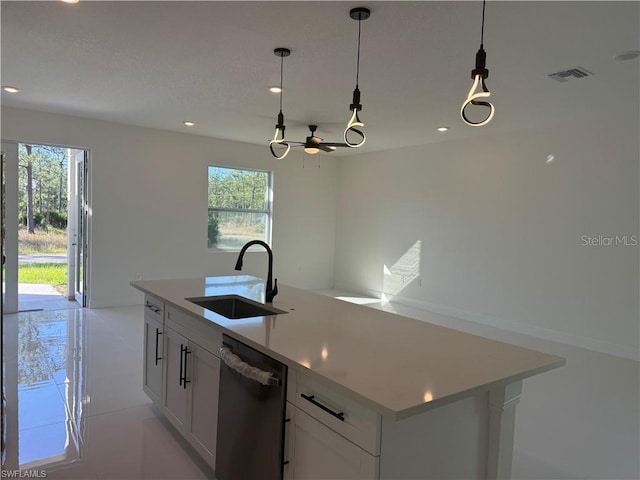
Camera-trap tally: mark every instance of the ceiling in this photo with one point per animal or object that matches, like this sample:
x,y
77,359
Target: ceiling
x,y
156,64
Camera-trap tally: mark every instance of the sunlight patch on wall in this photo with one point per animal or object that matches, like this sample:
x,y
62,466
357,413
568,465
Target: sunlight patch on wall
x,y
404,271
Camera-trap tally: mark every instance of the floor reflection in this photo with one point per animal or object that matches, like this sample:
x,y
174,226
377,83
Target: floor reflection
x,y
75,405
50,374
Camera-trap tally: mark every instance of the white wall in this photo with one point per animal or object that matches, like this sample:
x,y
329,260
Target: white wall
x,y
149,204
500,231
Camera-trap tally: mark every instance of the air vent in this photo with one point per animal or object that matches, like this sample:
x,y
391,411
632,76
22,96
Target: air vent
x,y
565,75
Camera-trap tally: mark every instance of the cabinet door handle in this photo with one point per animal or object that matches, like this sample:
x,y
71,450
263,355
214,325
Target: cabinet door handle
x,y
181,362
184,380
286,462
158,332
312,399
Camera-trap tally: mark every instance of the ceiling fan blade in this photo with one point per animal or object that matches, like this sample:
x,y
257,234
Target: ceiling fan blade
x,y
324,147
334,144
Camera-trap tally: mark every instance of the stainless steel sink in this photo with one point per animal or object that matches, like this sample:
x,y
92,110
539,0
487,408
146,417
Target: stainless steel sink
x,y
235,306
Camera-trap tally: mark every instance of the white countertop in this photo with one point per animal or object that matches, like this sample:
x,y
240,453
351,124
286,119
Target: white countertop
x,y
396,365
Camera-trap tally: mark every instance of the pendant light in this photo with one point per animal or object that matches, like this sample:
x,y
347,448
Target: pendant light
x,y
358,14
479,74
278,136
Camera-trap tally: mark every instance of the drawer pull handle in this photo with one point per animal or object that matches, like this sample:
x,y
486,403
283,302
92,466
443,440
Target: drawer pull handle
x,y
153,308
312,399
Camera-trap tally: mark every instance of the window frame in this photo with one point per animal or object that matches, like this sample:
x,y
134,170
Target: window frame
x,y
268,212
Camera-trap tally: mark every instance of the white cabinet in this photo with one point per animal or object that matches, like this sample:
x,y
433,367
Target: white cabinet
x,y
203,371
153,349
317,452
174,398
191,383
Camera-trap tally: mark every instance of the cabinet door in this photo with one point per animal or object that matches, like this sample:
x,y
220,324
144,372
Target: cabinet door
x,y
152,366
321,454
174,399
203,373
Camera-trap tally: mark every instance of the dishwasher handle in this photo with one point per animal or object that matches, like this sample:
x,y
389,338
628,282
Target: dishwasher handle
x,y
235,363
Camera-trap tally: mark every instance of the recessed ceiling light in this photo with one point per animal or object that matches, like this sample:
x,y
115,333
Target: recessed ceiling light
x,y
10,89
70,1
550,158
443,129
629,55
275,89
188,123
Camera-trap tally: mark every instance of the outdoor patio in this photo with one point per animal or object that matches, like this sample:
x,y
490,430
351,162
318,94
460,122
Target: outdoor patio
x,y
32,296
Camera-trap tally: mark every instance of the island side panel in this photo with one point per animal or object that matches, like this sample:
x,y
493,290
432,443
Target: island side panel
x,y
449,442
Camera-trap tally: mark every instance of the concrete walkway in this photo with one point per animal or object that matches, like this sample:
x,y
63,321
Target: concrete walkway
x,y
34,296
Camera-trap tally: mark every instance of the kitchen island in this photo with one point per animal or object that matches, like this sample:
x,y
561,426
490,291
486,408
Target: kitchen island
x,y
419,400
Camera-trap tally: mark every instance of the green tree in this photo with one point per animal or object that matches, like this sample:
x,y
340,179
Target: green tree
x,y
42,181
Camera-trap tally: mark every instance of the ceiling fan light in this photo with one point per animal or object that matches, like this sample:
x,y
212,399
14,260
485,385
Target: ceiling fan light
x,y
311,150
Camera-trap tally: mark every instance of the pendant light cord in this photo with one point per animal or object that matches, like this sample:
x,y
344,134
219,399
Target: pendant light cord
x,y
358,58
281,72
482,30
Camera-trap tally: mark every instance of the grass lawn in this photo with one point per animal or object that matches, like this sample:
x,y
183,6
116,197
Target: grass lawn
x,y
54,274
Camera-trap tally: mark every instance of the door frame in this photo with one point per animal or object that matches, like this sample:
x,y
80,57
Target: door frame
x,y
12,211
79,215
10,297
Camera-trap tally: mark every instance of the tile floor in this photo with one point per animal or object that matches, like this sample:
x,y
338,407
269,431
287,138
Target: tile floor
x,y
75,377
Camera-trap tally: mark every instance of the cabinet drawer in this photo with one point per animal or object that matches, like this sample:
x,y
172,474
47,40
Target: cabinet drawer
x,y
347,417
196,329
154,308
319,453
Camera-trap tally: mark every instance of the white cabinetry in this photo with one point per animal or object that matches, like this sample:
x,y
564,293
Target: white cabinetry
x,y
320,453
330,436
182,374
174,398
202,401
153,348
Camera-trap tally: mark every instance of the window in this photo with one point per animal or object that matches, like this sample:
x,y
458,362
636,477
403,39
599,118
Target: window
x,y
239,207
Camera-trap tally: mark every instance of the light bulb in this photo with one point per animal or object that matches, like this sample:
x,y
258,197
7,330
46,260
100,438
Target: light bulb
x,y
472,98
354,122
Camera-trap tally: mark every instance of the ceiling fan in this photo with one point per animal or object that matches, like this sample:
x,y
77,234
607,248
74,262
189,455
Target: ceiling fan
x,y
314,144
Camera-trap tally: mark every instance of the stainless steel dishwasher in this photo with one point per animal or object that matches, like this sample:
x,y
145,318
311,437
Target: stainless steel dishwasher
x,y
251,414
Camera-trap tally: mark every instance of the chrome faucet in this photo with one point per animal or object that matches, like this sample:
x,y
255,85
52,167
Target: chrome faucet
x,y
270,291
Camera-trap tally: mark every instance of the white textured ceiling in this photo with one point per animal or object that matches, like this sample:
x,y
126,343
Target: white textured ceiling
x,y
156,64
